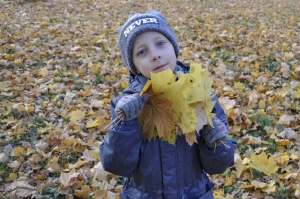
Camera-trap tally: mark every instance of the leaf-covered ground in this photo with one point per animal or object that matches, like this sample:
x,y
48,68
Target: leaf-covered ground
x,y
60,67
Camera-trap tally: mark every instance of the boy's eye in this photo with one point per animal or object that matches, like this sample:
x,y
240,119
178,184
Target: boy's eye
x,y
141,52
160,43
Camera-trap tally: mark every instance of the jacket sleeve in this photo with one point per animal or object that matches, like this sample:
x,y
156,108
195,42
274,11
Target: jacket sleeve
x,y
119,152
216,161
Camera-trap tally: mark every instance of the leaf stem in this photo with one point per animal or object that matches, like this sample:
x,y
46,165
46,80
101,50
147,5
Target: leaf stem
x,y
117,120
224,143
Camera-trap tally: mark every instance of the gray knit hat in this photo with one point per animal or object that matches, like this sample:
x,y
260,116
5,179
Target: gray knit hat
x,y
138,24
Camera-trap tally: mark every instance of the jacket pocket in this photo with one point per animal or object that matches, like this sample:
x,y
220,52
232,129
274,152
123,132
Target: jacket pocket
x,y
131,192
200,190
209,193
140,195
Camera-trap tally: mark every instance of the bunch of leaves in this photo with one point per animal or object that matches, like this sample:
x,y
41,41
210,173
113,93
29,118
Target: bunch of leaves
x,y
177,106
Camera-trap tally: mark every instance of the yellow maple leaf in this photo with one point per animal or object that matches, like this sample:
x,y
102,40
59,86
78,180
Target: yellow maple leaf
x,y
264,164
294,156
218,193
229,180
124,84
264,186
2,172
9,57
238,86
43,23
53,165
19,151
165,85
246,186
52,86
92,123
238,165
198,94
87,92
21,108
3,86
102,121
270,187
147,88
253,99
11,177
262,104
77,116
283,142
95,68
282,91
289,55
202,84
78,164
282,159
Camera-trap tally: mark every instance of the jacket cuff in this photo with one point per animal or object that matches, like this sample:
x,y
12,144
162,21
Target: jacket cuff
x,y
127,125
215,150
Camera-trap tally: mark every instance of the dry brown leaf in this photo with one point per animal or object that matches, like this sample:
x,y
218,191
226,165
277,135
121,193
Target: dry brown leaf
x,y
157,116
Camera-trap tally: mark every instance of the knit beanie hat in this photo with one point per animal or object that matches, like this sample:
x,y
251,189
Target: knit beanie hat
x,y
138,24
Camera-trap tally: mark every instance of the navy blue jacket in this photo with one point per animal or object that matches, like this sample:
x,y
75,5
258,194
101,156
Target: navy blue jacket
x,y
156,169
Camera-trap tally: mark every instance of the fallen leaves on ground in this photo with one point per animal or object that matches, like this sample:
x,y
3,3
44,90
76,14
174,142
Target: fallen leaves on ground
x,y
263,164
60,67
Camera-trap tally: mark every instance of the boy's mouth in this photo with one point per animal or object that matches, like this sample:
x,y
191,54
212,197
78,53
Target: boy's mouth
x,y
159,67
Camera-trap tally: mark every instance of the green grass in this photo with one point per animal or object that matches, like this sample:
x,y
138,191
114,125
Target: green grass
x,y
256,174
98,80
225,55
270,63
52,193
229,189
69,158
3,167
214,61
272,146
283,192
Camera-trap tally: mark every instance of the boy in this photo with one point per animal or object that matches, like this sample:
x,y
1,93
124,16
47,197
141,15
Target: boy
x,y
156,169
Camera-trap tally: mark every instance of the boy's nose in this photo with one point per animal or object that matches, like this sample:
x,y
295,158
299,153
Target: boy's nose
x,y
155,56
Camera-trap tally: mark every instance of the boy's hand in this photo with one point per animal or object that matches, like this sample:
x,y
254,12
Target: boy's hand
x,y
213,136
131,105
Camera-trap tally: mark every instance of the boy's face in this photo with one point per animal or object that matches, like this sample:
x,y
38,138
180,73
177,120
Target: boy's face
x,y
153,52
